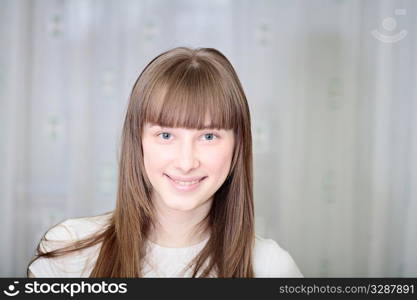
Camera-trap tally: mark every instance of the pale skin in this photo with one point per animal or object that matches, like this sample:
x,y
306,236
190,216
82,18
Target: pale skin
x,y
184,153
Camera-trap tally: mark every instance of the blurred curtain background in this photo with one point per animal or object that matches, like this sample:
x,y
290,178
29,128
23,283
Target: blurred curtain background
x,y
332,90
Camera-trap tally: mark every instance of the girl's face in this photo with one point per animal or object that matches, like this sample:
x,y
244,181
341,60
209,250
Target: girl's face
x,y
186,166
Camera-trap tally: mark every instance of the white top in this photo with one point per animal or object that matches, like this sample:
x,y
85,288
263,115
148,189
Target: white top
x,y
269,259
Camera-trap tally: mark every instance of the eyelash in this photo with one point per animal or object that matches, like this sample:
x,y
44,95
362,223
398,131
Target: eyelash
x,y
215,136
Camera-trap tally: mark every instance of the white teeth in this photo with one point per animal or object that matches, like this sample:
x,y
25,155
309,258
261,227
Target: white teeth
x,y
186,182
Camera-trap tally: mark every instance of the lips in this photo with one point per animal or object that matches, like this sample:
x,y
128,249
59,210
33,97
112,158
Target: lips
x,y
186,179
188,185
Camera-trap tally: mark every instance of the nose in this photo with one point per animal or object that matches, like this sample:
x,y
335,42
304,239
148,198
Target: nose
x,y
187,157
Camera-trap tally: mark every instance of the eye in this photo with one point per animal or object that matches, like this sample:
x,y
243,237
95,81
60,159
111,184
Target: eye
x,y
165,135
210,136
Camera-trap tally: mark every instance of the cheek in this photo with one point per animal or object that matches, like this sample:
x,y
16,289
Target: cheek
x,y
219,161
152,157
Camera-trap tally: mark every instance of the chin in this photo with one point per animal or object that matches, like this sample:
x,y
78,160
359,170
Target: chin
x,y
181,205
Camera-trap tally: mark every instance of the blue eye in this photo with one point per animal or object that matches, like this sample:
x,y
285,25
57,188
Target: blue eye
x,y
165,135
210,135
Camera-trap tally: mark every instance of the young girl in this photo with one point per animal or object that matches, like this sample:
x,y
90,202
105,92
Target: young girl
x,y
185,201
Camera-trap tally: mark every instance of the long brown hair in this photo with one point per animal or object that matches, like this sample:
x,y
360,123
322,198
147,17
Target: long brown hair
x,y
180,88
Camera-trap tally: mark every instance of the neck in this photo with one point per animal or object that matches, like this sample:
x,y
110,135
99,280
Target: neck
x,y
175,228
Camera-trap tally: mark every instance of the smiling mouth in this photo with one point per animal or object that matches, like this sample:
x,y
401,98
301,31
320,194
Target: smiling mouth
x,y
186,184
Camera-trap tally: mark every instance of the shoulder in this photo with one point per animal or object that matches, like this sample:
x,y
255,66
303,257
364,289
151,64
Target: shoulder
x,y
61,235
82,227
73,229
270,260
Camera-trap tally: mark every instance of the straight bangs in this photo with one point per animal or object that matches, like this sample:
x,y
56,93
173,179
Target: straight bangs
x,y
194,96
